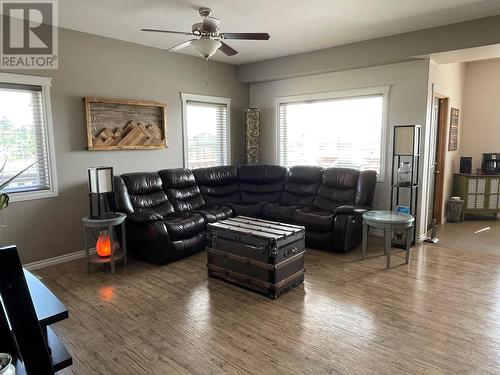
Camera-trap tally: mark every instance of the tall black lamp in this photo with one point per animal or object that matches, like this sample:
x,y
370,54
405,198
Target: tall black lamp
x,y
100,192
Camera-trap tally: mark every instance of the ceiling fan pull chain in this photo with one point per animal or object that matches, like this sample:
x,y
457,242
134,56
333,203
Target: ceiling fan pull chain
x,y
206,71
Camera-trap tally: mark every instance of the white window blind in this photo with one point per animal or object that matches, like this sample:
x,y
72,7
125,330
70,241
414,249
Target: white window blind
x,y
207,134
23,138
344,132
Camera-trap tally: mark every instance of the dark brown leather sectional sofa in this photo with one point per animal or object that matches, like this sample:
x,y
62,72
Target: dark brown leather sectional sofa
x,y
168,211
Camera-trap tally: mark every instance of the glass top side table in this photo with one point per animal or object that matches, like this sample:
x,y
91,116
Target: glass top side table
x,y
116,253
388,221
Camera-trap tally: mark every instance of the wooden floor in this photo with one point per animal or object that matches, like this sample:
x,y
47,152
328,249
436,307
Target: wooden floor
x,y
438,315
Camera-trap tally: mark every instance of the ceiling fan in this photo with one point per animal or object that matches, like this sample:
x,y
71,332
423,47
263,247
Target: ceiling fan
x,y
210,36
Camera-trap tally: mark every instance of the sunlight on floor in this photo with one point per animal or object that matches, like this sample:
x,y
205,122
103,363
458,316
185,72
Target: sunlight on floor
x,y
482,235
482,230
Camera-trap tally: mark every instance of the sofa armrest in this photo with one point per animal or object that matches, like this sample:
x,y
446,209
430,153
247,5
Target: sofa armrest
x,y
144,217
351,210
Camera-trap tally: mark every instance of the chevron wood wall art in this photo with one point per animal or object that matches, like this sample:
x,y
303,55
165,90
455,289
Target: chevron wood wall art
x,y
117,124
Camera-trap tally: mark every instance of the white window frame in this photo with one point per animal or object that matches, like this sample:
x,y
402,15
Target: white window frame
x,y
46,84
185,98
340,94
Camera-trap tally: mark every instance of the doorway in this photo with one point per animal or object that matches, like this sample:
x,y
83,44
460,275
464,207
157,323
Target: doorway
x,y
437,159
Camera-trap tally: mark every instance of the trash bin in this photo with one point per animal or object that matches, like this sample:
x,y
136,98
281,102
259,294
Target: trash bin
x,y
455,210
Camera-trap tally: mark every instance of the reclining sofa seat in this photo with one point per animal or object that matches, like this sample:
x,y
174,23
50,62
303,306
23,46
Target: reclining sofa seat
x,y
155,232
218,187
299,191
258,184
334,221
185,195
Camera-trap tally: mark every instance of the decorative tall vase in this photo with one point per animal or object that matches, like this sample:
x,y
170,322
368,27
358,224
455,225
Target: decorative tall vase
x,y
252,136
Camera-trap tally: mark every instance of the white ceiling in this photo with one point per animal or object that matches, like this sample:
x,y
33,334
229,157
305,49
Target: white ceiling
x,y
295,26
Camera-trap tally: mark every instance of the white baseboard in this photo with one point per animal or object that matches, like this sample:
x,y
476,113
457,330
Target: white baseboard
x,y
56,260
421,238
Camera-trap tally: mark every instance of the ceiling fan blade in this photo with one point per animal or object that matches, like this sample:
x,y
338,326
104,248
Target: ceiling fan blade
x,y
180,46
228,50
210,24
248,36
167,31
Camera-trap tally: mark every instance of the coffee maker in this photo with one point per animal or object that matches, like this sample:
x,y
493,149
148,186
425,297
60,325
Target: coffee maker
x,y
491,163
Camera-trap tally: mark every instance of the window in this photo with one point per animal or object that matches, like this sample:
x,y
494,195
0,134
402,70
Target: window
x,y
340,129
206,131
25,133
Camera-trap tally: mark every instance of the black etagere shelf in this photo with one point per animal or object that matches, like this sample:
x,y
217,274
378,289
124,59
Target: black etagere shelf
x,y
406,148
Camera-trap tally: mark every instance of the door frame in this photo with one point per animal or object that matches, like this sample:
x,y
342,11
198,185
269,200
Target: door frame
x,y
441,148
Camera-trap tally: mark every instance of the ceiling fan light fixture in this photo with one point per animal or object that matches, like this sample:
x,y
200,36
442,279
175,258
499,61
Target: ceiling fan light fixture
x,y
206,47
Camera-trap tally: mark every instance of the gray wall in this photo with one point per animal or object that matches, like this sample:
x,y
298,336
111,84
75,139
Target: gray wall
x,y
407,105
480,123
97,66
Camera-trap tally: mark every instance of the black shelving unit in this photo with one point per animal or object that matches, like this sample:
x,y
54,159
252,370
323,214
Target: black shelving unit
x,y
406,147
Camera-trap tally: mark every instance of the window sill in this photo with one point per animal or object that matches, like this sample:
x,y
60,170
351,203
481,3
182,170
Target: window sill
x,y
31,195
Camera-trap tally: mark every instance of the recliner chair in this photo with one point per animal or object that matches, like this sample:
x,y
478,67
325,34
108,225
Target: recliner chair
x,y
154,231
334,218
299,191
185,195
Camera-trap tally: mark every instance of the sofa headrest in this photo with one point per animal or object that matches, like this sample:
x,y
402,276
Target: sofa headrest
x,y
177,178
341,178
142,182
216,176
305,174
261,174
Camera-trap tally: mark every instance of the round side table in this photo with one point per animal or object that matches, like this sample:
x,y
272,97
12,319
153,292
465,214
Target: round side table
x,y
110,223
388,221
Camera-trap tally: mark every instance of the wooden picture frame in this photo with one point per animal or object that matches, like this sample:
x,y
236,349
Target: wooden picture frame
x,y
120,124
453,137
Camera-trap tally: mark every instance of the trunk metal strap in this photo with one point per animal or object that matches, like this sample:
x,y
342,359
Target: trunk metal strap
x,y
242,259
252,281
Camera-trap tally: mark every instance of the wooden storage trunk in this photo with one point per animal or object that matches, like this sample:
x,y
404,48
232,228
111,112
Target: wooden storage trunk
x,y
262,255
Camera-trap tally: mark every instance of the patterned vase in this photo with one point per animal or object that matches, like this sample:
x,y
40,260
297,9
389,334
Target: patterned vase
x,y
252,136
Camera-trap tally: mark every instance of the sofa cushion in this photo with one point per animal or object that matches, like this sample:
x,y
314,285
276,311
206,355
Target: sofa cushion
x,y
182,191
313,218
182,225
215,213
302,185
338,188
246,209
145,193
278,211
218,185
261,183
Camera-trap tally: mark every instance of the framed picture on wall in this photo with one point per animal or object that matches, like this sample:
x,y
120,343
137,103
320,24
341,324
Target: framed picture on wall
x,y
453,141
